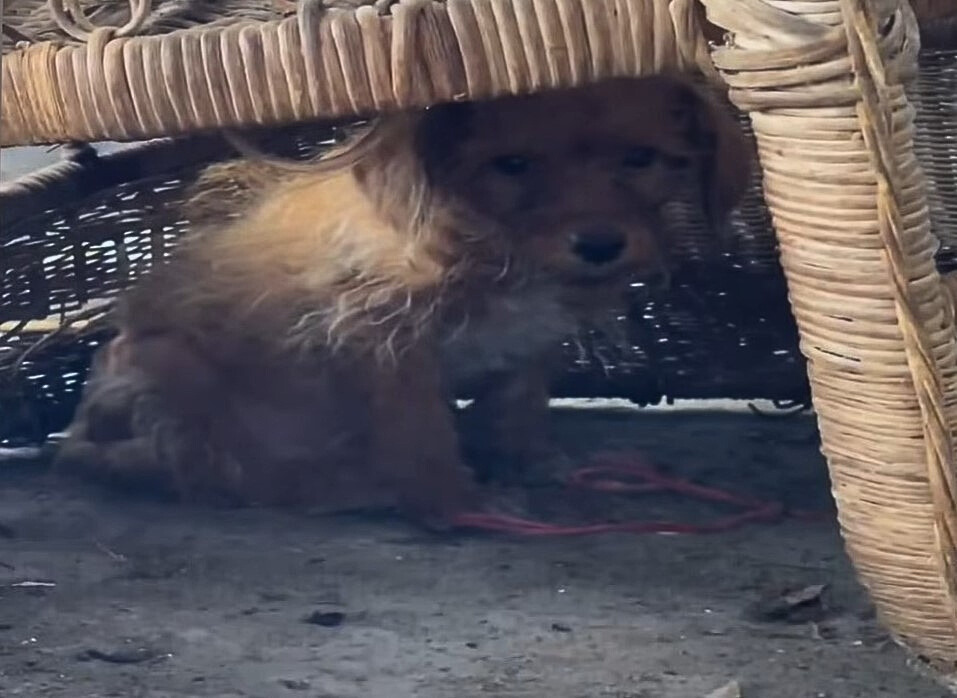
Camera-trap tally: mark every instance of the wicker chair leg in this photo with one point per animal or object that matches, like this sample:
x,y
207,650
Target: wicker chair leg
x,y
824,83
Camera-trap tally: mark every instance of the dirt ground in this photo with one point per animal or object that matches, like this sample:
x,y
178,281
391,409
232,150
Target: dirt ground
x,y
104,596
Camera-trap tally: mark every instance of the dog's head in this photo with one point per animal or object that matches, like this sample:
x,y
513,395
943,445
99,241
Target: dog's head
x,y
572,182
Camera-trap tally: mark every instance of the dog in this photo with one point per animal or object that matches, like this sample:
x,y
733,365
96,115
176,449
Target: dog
x,y
308,352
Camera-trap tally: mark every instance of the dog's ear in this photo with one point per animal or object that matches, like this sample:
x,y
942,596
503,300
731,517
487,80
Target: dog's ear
x,y
726,158
441,129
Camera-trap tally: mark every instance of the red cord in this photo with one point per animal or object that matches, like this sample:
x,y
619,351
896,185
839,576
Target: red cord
x,y
625,473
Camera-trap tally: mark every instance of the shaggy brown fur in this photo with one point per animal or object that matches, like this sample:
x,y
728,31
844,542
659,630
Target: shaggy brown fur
x,y
308,353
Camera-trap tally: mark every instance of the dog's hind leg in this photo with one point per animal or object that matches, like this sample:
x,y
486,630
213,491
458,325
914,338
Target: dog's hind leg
x,y
124,430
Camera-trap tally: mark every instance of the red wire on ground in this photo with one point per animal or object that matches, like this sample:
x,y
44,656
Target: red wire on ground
x,y
623,474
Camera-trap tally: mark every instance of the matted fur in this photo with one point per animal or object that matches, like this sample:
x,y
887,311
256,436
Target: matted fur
x,y
308,352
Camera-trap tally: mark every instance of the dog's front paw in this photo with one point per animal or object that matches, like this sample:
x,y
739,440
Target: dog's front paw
x,y
537,465
544,465
438,502
506,501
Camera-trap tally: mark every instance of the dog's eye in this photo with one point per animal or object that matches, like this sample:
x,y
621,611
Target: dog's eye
x,y
511,165
639,157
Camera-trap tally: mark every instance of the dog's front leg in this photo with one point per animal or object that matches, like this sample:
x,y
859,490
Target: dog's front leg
x,y
505,430
416,444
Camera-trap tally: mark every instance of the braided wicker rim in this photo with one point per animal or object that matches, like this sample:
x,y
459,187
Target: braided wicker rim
x,y
327,62
138,69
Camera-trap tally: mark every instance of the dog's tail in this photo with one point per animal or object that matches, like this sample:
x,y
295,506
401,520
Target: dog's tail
x,y
225,189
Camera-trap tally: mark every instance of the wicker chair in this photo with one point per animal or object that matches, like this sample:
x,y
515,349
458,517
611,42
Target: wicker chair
x,y
864,241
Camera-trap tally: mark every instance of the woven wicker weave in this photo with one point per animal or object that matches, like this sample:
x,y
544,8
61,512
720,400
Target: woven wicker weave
x,y
822,82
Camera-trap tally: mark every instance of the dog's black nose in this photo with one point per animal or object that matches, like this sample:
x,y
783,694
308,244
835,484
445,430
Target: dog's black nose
x,y
598,245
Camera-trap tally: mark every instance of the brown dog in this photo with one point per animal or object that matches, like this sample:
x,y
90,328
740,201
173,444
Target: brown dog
x,y
308,353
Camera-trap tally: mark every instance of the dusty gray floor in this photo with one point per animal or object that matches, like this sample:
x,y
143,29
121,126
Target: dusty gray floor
x,y
149,599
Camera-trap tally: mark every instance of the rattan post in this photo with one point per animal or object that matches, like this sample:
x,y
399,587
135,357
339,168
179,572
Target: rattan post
x,y
824,83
